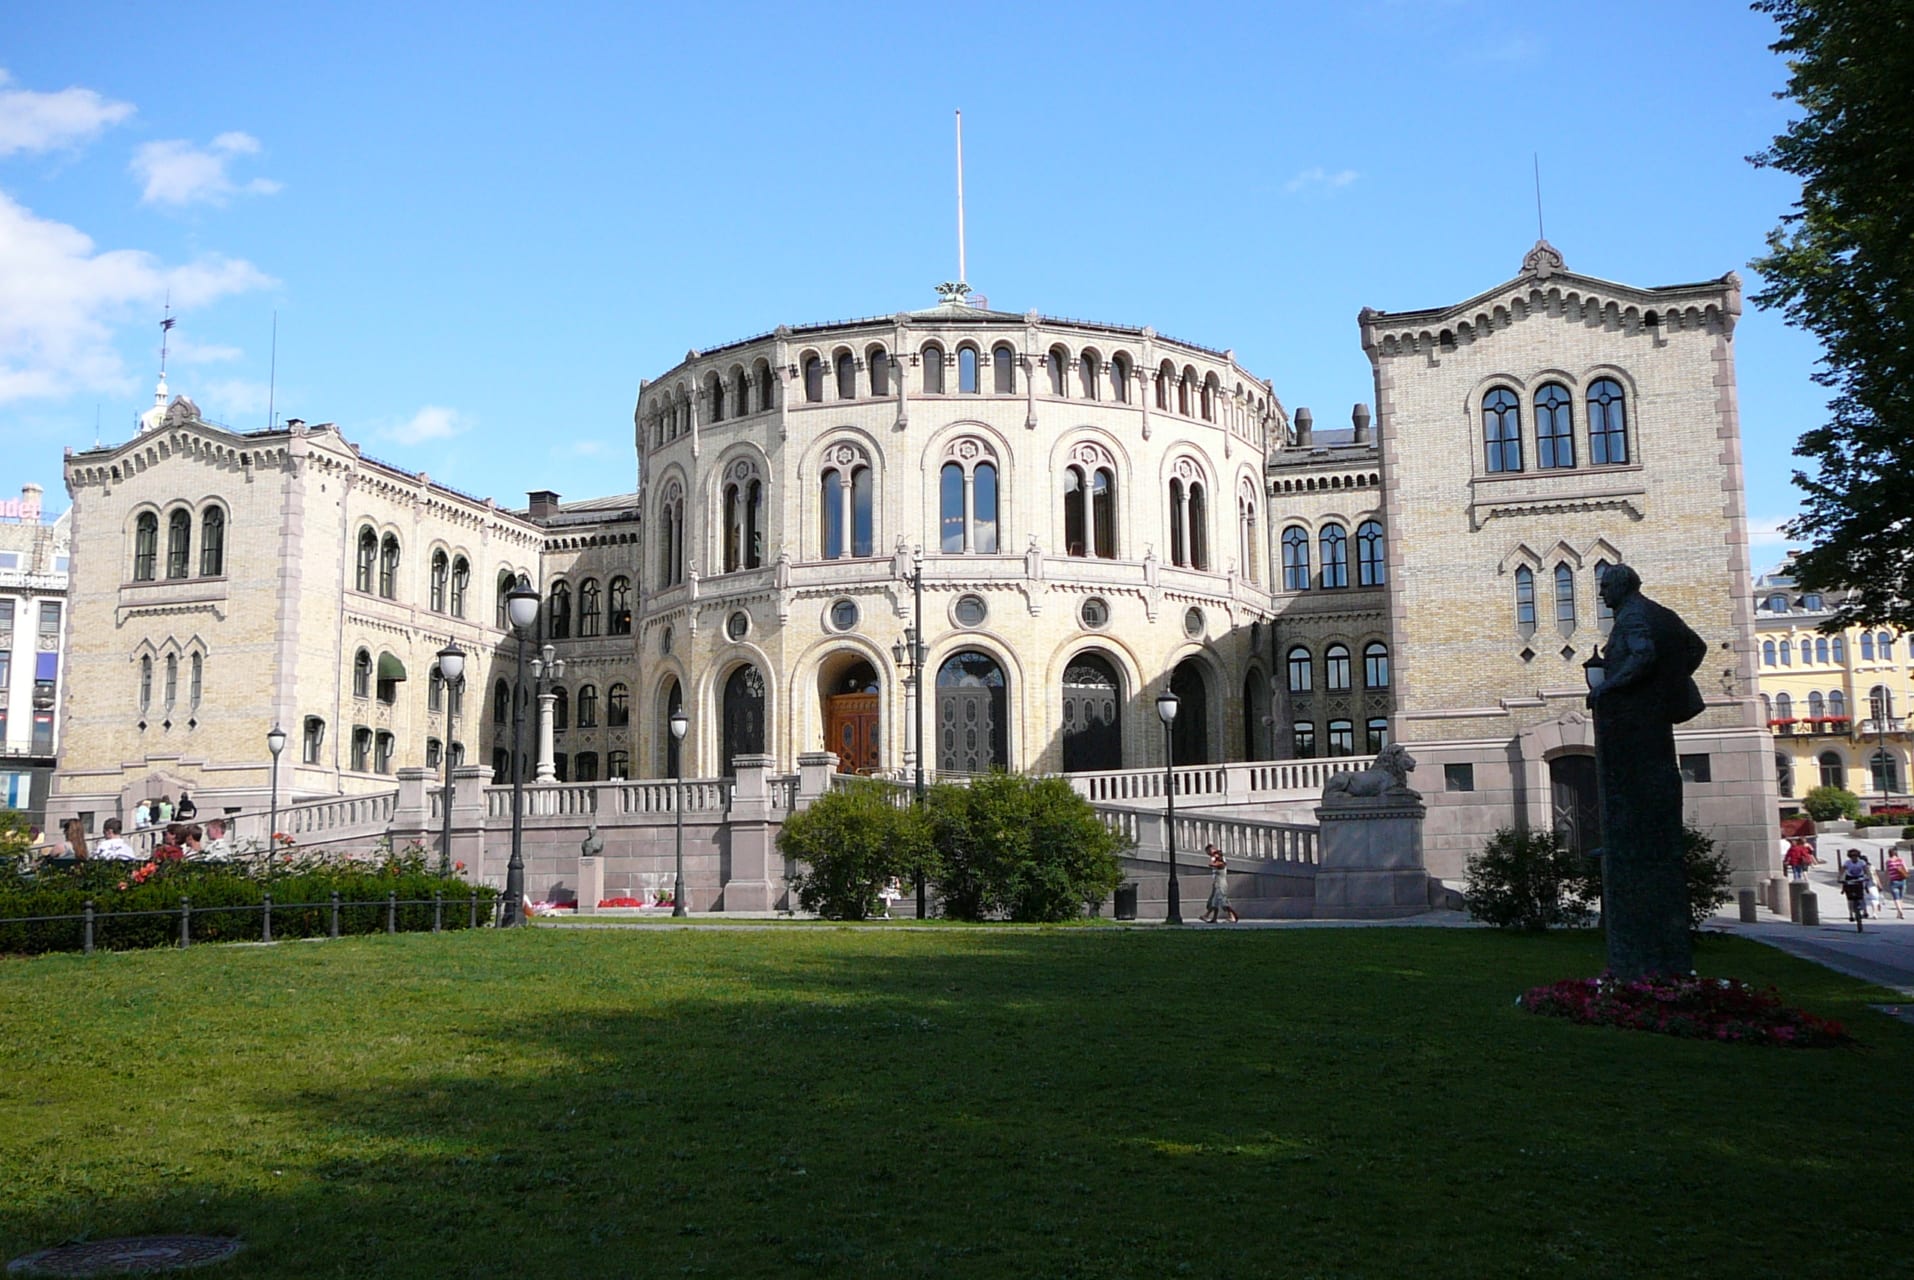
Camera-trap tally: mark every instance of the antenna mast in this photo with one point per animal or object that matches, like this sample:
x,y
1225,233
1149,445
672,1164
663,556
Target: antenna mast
x,y
1537,158
272,375
961,277
166,327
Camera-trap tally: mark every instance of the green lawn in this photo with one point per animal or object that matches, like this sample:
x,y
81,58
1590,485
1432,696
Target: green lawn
x,y
872,1101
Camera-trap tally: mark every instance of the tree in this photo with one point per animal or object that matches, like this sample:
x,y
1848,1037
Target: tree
x,y
1828,804
1529,881
1841,266
1030,849
853,841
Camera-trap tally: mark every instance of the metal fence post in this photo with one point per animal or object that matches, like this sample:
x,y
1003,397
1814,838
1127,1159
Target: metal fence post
x,y
335,913
438,911
392,912
86,926
265,921
474,909
185,921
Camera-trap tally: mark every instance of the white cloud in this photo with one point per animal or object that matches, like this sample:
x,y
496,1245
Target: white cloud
x,y
433,422
60,300
586,448
183,350
176,172
231,397
1319,177
31,121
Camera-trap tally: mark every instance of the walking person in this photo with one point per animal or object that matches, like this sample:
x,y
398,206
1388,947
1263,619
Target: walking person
x,y
142,815
1797,860
1895,869
164,814
1219,888
186,810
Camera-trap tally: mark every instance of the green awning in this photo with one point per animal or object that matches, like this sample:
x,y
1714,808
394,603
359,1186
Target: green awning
x,y
390,668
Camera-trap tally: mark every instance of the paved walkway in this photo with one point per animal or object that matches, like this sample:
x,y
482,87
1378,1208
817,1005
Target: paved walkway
x,y
1883,953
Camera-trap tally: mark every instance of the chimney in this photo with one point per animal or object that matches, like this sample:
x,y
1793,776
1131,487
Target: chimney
x,y
1304,421
1360,416
543,502
296,425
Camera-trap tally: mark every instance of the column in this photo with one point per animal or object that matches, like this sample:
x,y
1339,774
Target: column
x,y
547,769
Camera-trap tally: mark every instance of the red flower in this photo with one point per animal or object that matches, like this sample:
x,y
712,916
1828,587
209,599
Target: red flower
x,y
458,866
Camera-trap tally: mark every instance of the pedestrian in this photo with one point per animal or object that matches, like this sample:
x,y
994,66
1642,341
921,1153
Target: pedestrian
x,y
1219,888
1797,860
142,815
1895,869
1856,879
1873,899
164,814
186,810
113,846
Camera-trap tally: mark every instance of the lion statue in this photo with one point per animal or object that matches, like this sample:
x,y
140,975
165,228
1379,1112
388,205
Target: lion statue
x,y
1384,782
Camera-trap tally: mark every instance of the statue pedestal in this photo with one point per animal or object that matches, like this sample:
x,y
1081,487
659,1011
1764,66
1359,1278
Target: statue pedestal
x,y
1369,861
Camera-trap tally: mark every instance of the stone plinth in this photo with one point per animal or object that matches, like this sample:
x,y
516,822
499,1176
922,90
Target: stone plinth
x,y
1369,862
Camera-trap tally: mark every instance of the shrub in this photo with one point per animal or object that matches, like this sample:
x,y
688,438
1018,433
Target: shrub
x,y
1828,804
852,841
1883,818
1031,849
1706,872
1528,880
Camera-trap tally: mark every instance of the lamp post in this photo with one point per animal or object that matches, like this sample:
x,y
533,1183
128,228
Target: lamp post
x,y
451,670
1883,709
275,743
1167,704
679,723
521,606
548,666
911,653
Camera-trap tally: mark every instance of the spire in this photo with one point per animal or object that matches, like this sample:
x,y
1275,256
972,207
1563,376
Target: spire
x,y
157,414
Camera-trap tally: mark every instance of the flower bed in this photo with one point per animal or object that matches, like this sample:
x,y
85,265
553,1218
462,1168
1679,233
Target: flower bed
x,y
1695,1008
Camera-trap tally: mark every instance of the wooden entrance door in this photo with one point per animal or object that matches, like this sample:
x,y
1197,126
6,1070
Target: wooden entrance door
x,y
850,729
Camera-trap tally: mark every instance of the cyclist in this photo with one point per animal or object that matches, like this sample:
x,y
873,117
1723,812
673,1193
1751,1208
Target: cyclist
x,y
1855,878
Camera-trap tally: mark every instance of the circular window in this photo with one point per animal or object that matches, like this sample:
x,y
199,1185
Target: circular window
x,y
664,642
970,611
1193,622
738,625
843,615
1095,613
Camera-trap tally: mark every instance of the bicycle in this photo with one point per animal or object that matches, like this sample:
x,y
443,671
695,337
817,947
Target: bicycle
x,y
1856,890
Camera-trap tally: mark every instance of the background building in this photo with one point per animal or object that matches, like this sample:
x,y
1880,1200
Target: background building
x,y
33,591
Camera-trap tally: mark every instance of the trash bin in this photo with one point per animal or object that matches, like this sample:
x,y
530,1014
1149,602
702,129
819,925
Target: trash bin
x,y
1126,902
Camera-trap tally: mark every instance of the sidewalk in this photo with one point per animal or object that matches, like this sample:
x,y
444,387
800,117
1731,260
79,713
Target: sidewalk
x,y
1883,953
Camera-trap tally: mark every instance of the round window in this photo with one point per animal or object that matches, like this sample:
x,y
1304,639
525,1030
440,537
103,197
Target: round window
x,y
738,625
664,642
970,611
843,615
1095,612
1193,622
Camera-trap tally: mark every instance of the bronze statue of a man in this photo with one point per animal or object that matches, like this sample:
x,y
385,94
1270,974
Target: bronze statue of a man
x,y
1647,689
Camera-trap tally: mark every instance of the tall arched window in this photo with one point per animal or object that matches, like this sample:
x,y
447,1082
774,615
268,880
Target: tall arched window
x,y
1375,665
1565,596
362,674
1607,422
1524,596
501,615
1295,558
846,376
1821,650
932,357
1333,544
434,689
1839,650
146,675
1767,653
1833,772
558,610
589,619
501,702
879,362
368,561
618,607
1336,668
967,371
1165,379
389,567
146,547
1817,705
1837,704
813,379
767,388
1370,565
1783,707
1502,430
441,578
1301,669
1209,398
172,680
1885,768
1189,517
1054,362
212,543
743,519
1120,379
844,504
1003,371
1885,643
1554,427
1087,376
967,499
1183,385
561,709
671,528
179,544
196,680
740,392
1089,505
588,706
1248,535
461,582
617,707
714,395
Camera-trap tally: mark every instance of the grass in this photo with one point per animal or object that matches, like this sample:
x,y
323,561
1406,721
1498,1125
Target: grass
x,y
928,1103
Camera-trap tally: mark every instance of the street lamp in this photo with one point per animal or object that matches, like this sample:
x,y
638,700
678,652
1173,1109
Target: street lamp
x,y
1167,704
275,743
548,666
911,653
679,723
451,670
521,607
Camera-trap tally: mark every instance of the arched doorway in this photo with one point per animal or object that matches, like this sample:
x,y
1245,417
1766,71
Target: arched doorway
x,y
1576,813
743,717
972,715
1256,729
850,716
1191,729
1092,731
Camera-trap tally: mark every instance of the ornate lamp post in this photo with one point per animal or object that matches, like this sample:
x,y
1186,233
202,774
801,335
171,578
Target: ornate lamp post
x,y
275,743
548,666
1167,704
521,607
679,723
451,670
911,653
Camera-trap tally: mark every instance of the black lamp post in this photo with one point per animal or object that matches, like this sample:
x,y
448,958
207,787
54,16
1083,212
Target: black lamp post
x,y
1167,704
275,743
679,723
911,653
521,606
451,670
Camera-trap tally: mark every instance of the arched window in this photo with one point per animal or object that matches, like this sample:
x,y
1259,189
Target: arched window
x,y
1183,386
434,689
1777,603
172,680
389,567
714,393
501,615
362,674
1817,706
1120,379
1839,649
1003,371
617,764
1089,507
585,767
361,748
1821,650
618,607
1336,668
743,519
1554,427
1812,602
461,582
1302,740
1053,365
196,680
1376,733
846,376
588,602
1833,772
1787,653
1880,705
561,710
1885,768
1370,567
740,392
1867,646
1375,665
742,718
558,611
1604,612
382,750
970,717
179,544
1838,704
441,579
146,547
844,504
1524,596
933,360
588,706
368,562
1885,643
1301,670
1165,378
455,705
879,361
313,740
1342,738
1607,422
671,535
387,677
1209,398
813,379
501,702
1333,543
1248,534
1502,430
212,543
1565,596
967,371
1092,725
1296,558
1783,707
617,707
146,675
767,388
1087,376
967,500
1767,653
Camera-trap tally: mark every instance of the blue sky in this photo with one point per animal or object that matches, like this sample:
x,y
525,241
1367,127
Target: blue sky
x,y
482,224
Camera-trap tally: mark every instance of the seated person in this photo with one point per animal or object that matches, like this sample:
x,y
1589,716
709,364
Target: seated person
x,y
112,846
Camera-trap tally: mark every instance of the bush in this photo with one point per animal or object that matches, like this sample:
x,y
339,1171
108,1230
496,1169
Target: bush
x,y
1705,871
1883,818
1029,849
1829,804
852,842
1528,880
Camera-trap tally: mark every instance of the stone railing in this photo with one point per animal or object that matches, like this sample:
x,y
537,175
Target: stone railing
x,y
1242,840
1253,782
